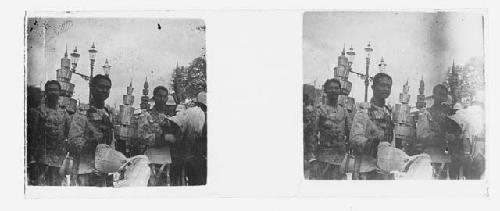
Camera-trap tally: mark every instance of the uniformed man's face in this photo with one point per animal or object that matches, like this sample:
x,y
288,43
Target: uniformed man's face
x,y
100,90
52,91
440,95
161,97
332,89
382,89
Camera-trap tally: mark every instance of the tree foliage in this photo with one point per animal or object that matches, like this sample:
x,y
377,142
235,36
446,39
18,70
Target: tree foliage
x,y
188,81
465,81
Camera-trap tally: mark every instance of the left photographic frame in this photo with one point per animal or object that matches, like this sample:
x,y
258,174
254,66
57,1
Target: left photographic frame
x,y
115,101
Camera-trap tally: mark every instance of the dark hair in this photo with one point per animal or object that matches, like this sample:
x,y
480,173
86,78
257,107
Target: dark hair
x,y
439,86
52,82
98,77
158,88
379,76
331,80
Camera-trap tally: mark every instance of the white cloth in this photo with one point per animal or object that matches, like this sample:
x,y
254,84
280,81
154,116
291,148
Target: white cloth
x,y
190,120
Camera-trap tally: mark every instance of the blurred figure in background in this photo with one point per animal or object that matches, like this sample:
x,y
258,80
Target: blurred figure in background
x,y
309,134
34,98
439,136
471,120
190,151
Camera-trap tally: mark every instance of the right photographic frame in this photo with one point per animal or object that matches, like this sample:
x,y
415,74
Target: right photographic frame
x,y
394,95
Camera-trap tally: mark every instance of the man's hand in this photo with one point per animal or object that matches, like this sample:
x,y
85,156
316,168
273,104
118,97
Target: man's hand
x,y
170,138
113,144
356,148
165,123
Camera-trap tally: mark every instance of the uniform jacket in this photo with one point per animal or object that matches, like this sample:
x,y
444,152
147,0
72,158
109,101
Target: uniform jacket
x,y
152,132
332,126
89,128
52,127
371,125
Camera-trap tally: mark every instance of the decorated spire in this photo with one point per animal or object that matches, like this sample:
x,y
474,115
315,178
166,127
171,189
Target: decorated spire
x,y
406,87
145,98
66,53
382,65
130,89
404,97
422,86
146,86
421,97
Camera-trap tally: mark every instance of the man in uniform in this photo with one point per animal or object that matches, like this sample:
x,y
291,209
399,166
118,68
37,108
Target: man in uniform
x,y
438,136
52,127
332,124
371,125
89,128
157,143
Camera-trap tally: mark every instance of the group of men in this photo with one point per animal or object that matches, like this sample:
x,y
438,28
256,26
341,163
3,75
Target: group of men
x,y
333,135
56,137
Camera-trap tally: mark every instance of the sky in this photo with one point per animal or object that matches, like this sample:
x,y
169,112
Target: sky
x,y
136,48
413,44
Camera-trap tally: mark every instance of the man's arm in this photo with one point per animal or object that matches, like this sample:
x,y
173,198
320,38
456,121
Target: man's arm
x,y
67,124
348,124
424,132
311,140
172,131
144,131
76,135
357,136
